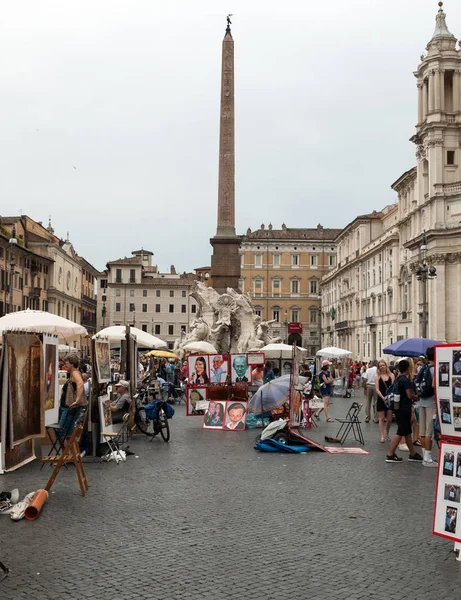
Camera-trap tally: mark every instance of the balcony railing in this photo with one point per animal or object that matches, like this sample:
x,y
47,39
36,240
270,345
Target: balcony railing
x,y
89,323
370,320
35,292
341,325
89,300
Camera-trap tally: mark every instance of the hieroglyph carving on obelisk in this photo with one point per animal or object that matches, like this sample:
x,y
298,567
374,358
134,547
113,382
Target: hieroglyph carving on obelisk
x,y
226,186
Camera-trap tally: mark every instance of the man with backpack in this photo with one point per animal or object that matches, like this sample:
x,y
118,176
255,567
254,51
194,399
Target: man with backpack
x,y
424,384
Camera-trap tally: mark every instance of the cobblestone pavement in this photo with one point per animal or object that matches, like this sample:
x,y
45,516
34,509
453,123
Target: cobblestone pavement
x,y
208,517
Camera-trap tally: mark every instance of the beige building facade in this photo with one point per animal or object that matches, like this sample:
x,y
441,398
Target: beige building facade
x,y
281,269
375,295
133,292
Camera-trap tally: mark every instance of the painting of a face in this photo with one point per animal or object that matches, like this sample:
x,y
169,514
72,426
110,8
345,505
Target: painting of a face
x,y
240,365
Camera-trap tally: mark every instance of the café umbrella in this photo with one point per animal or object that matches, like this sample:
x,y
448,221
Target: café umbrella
x,y
116,333
41,322
271,395
412,347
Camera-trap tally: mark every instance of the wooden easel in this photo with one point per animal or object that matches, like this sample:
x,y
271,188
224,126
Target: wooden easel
x,y
70,454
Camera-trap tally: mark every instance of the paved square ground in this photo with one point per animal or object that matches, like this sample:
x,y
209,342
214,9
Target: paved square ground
x,y
208,517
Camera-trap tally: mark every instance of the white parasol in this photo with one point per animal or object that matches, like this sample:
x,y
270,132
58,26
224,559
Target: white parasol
x,y
116,333
333,352
200,348
280,350
41,322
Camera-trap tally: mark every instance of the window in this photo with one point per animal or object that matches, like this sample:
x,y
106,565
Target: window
x,y
314,260
132,276
171,293
157,308
295,286
118,292
118,276
313,287
103,282
295,316
276,260
183,293
144,308
157,293
183,308
258,286
242,284
242,260
170,329
258,260
295,260
132,293
313,316
332,260
258,311
276,287
405,293
144,328
157,330
193,308
131,307
144,293
276,315
171,308
117,307
450,157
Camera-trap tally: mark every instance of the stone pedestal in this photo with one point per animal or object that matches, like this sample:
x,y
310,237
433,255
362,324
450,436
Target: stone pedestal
x,y
225,263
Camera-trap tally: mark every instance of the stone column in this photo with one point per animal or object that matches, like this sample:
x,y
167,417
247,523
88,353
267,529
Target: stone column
x,y
431,91
424,100
420,103
442,90
456,91
436,77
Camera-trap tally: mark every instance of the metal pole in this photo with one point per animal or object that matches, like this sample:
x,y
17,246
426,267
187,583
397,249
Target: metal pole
x,y
424,290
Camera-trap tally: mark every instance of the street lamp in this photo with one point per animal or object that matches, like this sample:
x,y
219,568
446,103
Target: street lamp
x,y
13,243
285,322
104,311
423,273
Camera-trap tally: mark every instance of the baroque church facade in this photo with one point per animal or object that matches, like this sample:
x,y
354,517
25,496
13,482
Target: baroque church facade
x,y
384,287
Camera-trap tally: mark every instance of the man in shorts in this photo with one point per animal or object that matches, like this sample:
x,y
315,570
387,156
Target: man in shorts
x,y
403,416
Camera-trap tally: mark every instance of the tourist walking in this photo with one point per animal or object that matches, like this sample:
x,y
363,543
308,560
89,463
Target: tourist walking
x,y
383,380
370,392
404,388
425,389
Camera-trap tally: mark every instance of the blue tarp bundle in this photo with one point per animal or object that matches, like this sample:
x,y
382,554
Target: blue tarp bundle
x,y
270,445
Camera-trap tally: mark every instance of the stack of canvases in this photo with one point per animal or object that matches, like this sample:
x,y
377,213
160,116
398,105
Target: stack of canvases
x,y
28,380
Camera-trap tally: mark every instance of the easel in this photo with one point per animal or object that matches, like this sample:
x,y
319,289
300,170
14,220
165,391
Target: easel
x,y
70,454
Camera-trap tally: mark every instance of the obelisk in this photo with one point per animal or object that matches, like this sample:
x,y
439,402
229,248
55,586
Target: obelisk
x,y
225,262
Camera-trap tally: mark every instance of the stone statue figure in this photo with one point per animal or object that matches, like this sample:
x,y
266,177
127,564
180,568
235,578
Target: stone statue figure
x,y
227,321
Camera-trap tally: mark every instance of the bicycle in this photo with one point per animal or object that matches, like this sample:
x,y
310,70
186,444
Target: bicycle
x,y
150,417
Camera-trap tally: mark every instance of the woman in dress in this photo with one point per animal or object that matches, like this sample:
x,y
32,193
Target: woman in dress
x,y
383,380
325,389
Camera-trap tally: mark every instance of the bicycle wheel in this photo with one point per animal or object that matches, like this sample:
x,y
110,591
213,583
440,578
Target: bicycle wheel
x,y
163,425
145,425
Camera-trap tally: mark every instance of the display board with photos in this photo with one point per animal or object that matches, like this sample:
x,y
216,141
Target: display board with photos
x,y
447,384
448,494
229,415
222,369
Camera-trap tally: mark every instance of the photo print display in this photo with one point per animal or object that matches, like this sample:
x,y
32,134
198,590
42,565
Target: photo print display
x,y
444,374
457,418
236,414
452,493
219,368
445,411
456,362
214,417
448,494
240,369
448,463
456,390
199,369
196,401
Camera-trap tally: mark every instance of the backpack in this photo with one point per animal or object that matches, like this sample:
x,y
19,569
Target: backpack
x,y
390,392
423,382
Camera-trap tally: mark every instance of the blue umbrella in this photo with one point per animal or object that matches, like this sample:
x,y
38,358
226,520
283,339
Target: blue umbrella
x,y
410,347
271,395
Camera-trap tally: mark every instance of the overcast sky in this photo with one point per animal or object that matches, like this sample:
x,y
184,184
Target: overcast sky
x,y
128,94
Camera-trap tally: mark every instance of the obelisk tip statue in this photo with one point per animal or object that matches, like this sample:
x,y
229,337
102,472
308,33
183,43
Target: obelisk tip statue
x,y
225,262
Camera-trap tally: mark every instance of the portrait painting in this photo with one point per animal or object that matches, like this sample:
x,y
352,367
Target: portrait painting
x,y
456,362
236,414
199,369
450,519
218,368
445,412
456,390
102,352
457,418
240,368
452,492
25,387
444,374
194,398
50,375
448,463
215,414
